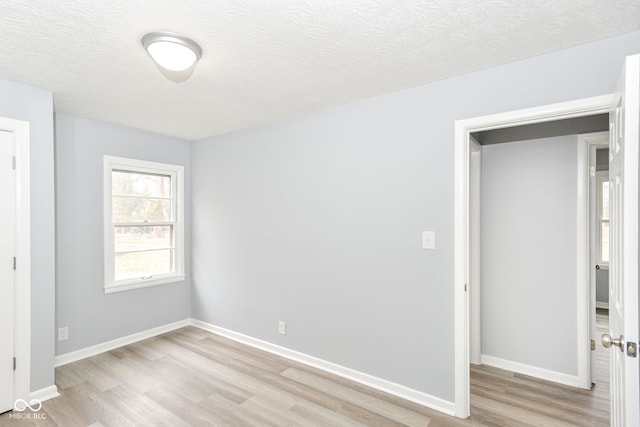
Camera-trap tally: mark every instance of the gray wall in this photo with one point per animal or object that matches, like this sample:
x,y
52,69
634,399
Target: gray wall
x,y
36,106
92,316
573,126
602,159
529,252
317,220
602,286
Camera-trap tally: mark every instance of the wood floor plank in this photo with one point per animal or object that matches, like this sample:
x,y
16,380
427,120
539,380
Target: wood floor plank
x,y
506,414
68,376
184,409
323,416
234,414
75,406
367,416
92,372
363,400
276,410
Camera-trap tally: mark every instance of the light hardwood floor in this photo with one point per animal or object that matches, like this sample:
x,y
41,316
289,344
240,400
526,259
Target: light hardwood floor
x,y
192,377
506,399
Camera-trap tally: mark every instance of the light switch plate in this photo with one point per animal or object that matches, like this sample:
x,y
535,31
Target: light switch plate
x,y
428,240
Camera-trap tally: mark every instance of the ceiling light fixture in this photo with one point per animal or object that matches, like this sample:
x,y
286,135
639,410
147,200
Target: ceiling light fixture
x,y
172,51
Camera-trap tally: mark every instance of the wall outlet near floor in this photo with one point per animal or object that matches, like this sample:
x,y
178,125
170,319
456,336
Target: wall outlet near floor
x,y
282,328
63,333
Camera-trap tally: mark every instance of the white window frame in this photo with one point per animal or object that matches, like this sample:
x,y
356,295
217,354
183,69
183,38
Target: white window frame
x,y
601,177
176,172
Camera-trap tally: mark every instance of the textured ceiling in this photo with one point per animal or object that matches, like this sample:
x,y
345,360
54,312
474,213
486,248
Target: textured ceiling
x,y
267,59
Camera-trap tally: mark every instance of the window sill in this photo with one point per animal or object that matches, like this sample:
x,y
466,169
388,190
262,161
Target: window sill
x,y
142,283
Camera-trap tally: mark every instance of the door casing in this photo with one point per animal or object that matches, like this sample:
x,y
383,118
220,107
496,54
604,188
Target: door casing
x,y
593,141
462,241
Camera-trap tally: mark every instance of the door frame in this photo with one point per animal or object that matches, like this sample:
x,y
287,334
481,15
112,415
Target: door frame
x,y
22,285
593,142
475,252
462,254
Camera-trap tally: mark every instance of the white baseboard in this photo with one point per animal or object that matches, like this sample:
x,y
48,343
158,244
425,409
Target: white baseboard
x,y
74,356
348,373
44,393
604,305
532,371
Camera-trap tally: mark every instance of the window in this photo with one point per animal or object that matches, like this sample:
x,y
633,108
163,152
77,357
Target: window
x,y
602,218
143,223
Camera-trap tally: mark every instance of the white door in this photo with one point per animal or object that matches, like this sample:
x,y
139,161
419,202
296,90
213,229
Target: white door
x,y
7,252
592,255
623,255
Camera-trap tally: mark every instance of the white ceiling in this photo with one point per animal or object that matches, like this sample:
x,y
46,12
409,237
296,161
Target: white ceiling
x,y
267,59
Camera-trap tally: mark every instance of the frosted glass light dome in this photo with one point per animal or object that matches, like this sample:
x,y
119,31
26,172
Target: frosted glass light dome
x,y
172,51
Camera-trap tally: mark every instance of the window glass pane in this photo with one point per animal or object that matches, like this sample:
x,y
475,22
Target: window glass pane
x,y
140,184
145,237
604,236
605,200
143,264
127,209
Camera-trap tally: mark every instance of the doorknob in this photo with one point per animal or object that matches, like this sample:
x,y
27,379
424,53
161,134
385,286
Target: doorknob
x,y
607,341
597,266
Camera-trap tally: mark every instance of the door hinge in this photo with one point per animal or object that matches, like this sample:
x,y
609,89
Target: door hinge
x,y
13,162
592,171
465,287
14,263
593,345
14,363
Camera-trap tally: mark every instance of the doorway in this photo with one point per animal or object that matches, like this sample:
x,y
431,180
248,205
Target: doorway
x,y
463,274
598,145
531,251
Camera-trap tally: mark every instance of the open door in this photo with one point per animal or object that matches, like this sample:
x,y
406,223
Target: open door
x,y
623,264
7,252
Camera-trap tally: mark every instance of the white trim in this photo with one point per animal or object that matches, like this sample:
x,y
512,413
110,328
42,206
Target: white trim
x,y
583,303
45,393
344,372
604,305
176,172
592,141
532,371
144,283
462,398
22,296
74,356
475,262
463,130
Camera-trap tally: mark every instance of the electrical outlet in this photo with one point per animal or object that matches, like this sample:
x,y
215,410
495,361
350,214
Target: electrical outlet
x,y
282,328
428,240
63,333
